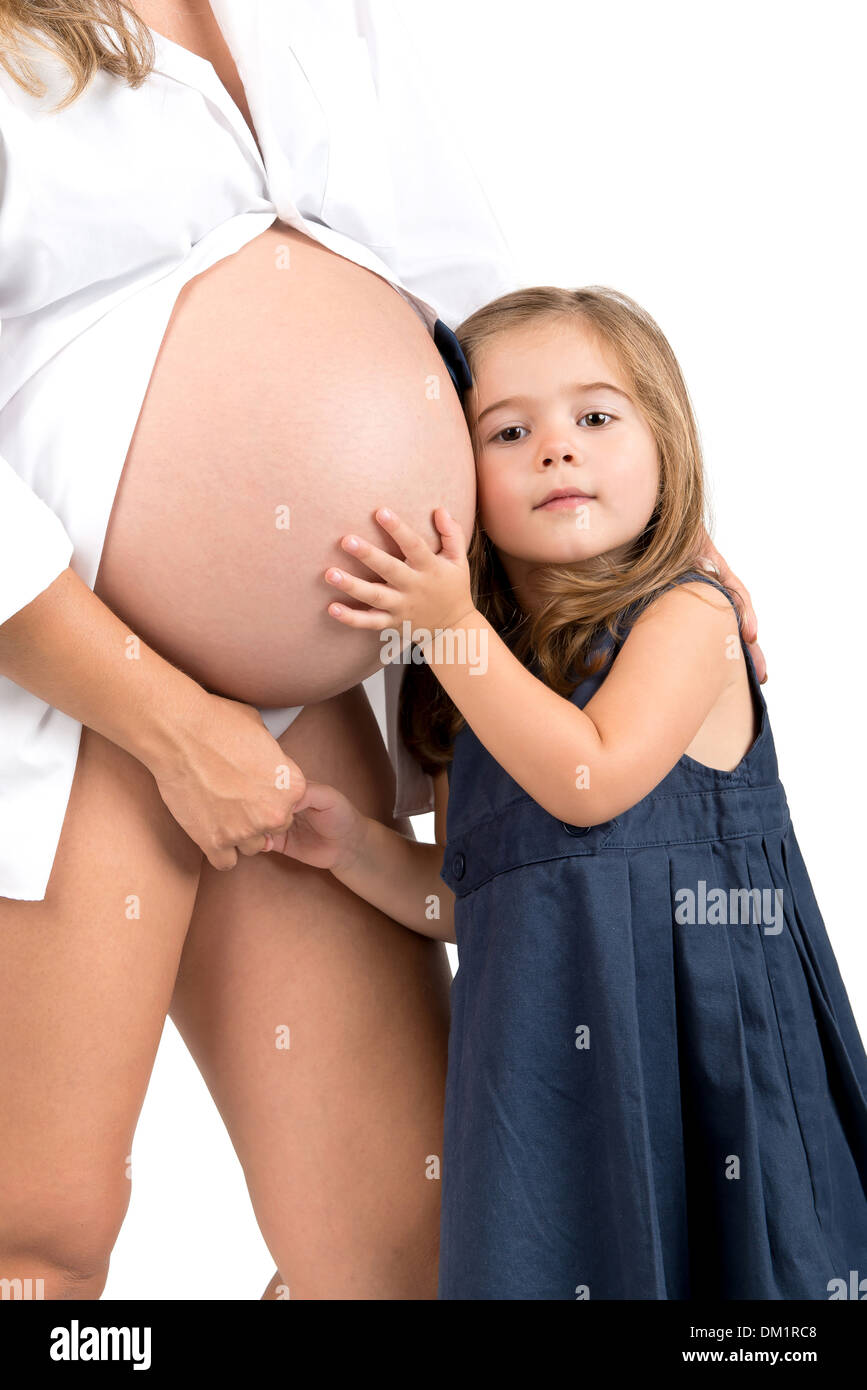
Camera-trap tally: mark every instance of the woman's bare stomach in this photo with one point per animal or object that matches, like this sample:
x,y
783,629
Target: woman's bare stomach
x,y
286,404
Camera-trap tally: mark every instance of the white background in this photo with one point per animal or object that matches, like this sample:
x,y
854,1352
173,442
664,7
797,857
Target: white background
x,y
707,159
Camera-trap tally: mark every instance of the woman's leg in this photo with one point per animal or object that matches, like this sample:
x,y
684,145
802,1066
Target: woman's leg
x,y
320,1027
85,985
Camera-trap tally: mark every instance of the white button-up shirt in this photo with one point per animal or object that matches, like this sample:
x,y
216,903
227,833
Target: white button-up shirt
x,y
109,207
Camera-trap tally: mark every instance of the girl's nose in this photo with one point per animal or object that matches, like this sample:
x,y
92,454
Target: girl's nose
x,y
558,454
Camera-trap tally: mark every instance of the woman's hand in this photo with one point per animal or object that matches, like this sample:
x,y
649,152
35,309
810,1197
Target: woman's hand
x,y
327,831
429,590
228,783
739,589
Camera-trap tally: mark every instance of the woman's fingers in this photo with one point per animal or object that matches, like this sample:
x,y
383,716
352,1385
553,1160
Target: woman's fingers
x,y
739,589
253,846
222,859
759,661
749,622
741,593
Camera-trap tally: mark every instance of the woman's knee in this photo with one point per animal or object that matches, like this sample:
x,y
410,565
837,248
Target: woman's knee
x,y
85,987
56,1238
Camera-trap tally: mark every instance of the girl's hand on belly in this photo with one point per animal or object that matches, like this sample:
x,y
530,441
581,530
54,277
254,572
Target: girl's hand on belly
x,y
226,781
429,590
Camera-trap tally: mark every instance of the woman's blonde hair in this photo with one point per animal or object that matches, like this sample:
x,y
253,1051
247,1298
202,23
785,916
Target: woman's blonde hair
x,y
86,35
578,606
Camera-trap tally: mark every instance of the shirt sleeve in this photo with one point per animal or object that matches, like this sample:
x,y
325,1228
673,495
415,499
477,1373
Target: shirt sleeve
x,y
34,546
449,248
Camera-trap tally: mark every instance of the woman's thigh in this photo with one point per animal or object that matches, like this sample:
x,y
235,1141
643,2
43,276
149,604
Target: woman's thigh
x,y
320,1027
86,981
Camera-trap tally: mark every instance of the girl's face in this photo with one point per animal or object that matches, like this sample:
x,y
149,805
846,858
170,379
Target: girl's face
x,y
555,416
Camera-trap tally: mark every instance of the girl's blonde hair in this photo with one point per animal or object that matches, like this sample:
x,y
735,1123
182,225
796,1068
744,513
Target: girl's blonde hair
x,y
578,606
86,35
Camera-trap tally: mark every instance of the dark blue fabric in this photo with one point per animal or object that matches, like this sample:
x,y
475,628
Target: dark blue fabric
x,y
452,354
602,1172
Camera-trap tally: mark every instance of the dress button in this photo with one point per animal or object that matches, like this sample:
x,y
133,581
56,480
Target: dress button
x,y
459,865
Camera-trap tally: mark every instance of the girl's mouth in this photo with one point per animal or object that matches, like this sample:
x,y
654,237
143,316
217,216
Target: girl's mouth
x,y
563,501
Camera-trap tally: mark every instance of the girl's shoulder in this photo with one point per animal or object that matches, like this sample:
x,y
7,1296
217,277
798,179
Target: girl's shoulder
x,y
671,601
682,624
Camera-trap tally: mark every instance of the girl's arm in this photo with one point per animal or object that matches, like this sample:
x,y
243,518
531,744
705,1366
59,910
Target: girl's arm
x,y
401,878
582,766
398,875
585,766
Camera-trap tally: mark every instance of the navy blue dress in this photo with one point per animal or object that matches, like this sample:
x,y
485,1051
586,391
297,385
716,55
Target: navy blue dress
x,y
655,1090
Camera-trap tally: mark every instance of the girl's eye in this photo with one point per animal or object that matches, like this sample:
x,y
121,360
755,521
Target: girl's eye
x,y
594,415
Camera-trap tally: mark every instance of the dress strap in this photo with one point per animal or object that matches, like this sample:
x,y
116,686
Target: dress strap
x,y
717,583
610,645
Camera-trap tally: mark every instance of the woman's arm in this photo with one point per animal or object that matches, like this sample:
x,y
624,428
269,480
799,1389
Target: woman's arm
x,y
217,767
749,623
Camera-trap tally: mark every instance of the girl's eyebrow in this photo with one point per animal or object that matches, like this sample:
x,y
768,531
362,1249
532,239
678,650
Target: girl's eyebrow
x,y
578,386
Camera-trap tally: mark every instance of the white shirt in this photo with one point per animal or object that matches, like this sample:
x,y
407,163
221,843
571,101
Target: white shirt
x,y
109,207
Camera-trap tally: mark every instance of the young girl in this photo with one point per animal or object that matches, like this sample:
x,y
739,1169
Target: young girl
x,y
656,1086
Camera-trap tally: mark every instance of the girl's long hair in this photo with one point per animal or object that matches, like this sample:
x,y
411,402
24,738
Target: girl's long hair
x,y
86,35
560,641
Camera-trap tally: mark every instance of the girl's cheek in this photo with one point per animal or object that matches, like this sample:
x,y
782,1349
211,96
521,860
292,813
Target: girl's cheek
x,y
486,491
495,512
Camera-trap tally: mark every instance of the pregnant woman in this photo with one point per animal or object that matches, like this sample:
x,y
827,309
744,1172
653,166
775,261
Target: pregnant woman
x,y
223,232
212,365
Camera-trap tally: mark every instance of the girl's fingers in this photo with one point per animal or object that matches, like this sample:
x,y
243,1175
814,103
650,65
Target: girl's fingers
x,y
416,550
453,538
361,617
377,595
391,567
318,796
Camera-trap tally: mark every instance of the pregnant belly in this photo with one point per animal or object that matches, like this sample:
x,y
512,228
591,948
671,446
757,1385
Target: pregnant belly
x,y
286,404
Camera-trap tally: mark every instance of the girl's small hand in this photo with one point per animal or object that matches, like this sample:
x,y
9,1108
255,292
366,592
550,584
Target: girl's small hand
x,y
429,590
327,830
